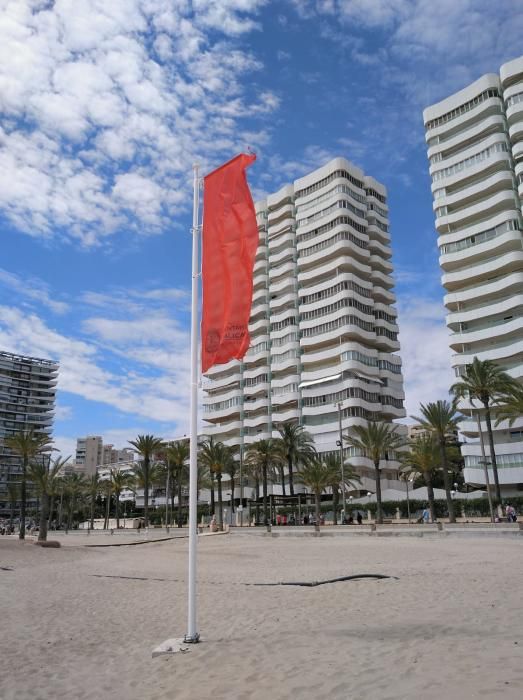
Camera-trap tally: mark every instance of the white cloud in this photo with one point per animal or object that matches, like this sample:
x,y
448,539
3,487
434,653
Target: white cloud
x,y
425,353
159,393
32,288
106,105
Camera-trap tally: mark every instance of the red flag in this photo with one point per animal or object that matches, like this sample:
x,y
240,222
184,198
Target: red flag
x,y
230,240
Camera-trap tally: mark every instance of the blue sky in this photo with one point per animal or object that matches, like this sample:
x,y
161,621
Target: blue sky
x,y
104,108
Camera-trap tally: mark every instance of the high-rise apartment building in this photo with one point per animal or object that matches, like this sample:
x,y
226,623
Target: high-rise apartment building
x,y
89,453
27,400
475,148
323,326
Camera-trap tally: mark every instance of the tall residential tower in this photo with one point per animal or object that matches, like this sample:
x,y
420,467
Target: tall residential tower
x,y
27,399
475,148
323,325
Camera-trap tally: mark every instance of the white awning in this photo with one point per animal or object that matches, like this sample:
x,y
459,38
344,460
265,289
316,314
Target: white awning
x,y
323,380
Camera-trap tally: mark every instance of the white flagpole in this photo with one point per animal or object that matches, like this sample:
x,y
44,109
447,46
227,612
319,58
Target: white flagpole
x,y
171,646
192,622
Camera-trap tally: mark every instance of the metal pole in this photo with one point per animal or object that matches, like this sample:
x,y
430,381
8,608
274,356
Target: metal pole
x,y
167,498
485,468
241,485
408,501
192,631
341,462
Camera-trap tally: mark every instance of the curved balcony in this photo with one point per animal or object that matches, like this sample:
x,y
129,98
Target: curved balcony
x,y
506,263
505,284
284,416
258,326
348,331
284,194
495,352
255,403
288,269
287,254
381,280
334,251
279,401
474,254
477,211
260,281
500,159
377,248
279,229
516,131
475,191
256,422
487,125
494,330
503,305
253,372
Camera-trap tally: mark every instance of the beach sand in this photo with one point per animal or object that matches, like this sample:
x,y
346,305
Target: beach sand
x,y
449,627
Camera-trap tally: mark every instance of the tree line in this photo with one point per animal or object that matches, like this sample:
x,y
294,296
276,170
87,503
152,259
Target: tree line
x,y
288,458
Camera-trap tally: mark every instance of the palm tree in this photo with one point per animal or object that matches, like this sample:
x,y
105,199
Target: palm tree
x,y
74,485
44,476
349,475
511,406
27,445
177,455
422,460
441,419
217,458
486,382
120,480
264,457
13,494
146,446
318,475
297,446
93,487
375,440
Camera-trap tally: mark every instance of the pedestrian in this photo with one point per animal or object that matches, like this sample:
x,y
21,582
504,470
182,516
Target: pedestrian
x,y
426,515
359,518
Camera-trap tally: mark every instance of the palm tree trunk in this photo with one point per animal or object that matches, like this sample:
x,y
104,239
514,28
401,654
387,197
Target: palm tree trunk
x,y
232,494
44,514
117,508
23,498
51,509
220,501
264,478
92,511
107,511
291,479
430,494
377,478
146,493
172,505
257,494
213,504
492,451
282,479
444,466
317,497
180,516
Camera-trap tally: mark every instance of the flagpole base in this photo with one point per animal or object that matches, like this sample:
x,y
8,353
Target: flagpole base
x,y
171,646
191,639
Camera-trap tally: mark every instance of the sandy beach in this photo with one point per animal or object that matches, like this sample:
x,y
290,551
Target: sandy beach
x,y
80,623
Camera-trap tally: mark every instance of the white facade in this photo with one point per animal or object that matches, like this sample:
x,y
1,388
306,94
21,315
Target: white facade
x,y
323,325
475,148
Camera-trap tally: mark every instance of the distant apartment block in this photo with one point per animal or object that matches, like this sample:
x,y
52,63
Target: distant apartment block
x,y
324,333
27,401
475,149
92,453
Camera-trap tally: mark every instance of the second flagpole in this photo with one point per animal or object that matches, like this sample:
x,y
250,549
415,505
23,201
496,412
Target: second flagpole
x,y
192,618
